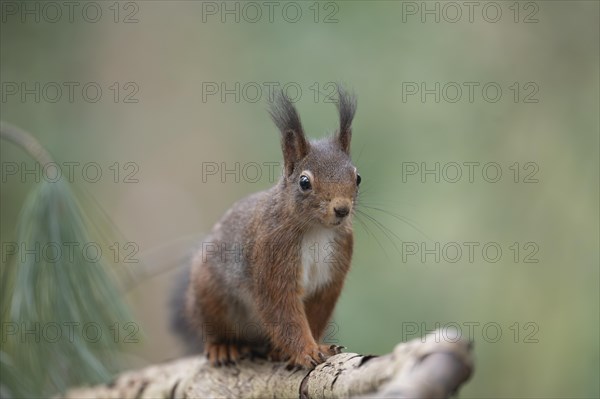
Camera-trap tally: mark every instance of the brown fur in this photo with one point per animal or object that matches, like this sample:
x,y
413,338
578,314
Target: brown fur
x,y
248,290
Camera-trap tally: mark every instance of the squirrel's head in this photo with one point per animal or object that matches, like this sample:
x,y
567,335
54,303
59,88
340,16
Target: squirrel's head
x,y
319,177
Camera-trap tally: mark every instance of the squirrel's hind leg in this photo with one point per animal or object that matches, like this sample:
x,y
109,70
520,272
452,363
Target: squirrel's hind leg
x,y
208,308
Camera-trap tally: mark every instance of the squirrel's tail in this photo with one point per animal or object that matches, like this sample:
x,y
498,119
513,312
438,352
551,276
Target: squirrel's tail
x,y
179,322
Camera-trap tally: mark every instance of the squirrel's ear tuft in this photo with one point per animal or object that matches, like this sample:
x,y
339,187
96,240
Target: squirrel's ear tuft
x,y
293,142
346,106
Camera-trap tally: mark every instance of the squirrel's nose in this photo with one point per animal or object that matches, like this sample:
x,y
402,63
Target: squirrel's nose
x,y
341,211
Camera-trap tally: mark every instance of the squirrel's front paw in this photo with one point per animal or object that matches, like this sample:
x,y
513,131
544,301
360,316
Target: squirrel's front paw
x,y
222,354
309,358
331,350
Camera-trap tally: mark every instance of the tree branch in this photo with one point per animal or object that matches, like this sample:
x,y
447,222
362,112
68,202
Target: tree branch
x,y
432,367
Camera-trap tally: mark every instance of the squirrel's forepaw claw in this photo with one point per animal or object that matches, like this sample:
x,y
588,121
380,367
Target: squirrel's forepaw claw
x,y
322,357
222,354
331,350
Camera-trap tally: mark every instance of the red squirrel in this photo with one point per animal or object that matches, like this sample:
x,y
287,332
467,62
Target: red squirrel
x,y
270,272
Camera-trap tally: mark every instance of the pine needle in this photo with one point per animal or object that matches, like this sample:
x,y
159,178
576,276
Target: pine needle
x,y
62,313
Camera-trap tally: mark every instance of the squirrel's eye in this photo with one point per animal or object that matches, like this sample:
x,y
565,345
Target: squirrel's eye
x,y
305,183
358,179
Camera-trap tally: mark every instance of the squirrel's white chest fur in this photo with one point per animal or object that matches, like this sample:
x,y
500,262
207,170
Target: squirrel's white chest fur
x,y
317,256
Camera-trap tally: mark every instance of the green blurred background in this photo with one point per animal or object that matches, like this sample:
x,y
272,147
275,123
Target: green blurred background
x,y
166,55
